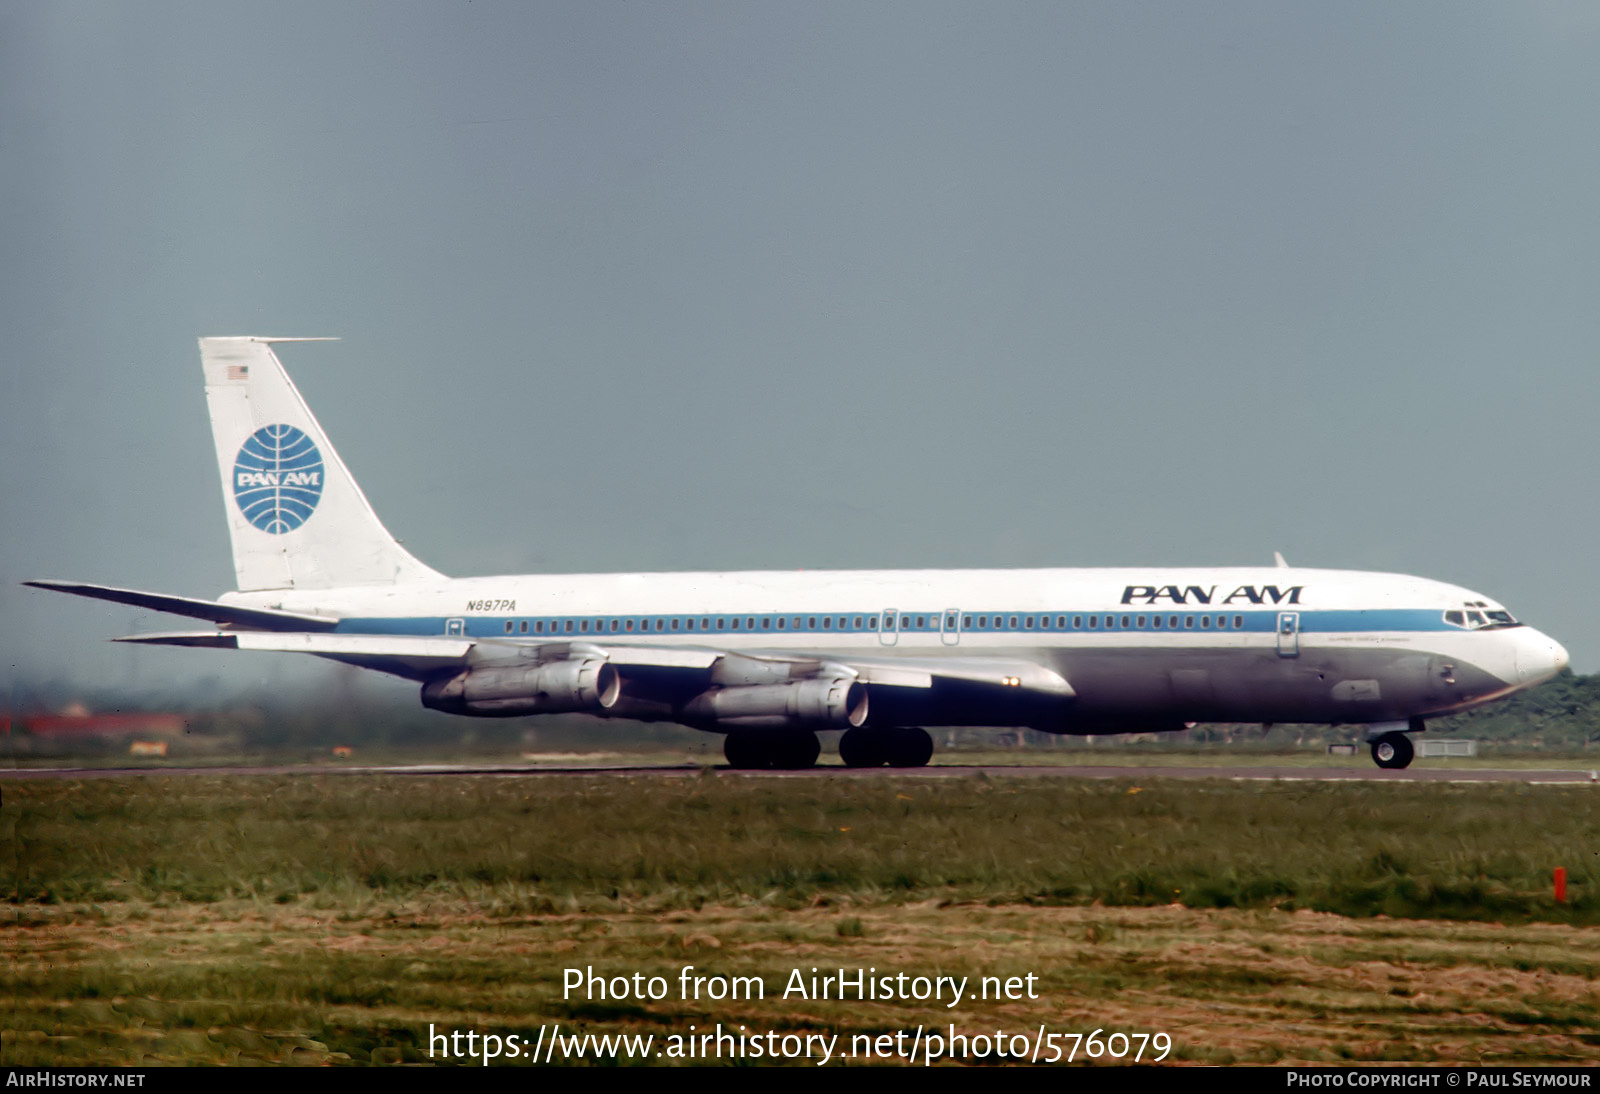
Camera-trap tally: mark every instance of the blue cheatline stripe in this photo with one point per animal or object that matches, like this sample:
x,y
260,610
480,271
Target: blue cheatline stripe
x,y
775,624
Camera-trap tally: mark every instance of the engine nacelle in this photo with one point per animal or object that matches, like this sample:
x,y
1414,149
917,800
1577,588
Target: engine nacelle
x,y
587,686
838,703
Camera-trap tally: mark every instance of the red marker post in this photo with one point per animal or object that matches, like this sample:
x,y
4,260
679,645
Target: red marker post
x,y
1561,884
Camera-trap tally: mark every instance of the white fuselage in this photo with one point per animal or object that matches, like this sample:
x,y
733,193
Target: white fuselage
x,y
1138,646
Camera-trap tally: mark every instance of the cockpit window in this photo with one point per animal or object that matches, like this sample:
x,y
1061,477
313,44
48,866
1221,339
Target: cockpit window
x,y
1478,617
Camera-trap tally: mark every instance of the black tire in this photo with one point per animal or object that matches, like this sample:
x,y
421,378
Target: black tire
x,y
1392,751
862,748
910,748
795,751
747,751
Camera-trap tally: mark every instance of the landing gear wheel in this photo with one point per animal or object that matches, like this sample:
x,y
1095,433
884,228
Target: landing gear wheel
x,y
910,748
1392,750
754,751
745,750
897,747
793,751
862,748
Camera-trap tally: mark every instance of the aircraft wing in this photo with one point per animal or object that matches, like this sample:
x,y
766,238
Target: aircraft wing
x,y
421,656
997,671
413,657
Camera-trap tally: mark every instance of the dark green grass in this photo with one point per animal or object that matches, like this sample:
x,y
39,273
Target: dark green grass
x,y
536,845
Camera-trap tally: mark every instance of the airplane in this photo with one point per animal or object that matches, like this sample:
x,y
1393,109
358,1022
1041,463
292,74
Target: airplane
x,y
769,659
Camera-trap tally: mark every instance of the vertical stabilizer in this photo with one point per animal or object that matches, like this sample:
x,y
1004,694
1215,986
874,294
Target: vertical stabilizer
x,y
296,516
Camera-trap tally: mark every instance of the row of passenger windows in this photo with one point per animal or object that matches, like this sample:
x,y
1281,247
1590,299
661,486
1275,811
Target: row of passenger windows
x,y
892,621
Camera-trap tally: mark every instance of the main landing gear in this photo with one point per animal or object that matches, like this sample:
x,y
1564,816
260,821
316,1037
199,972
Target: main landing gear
x,y
790,750
782,749
1392,750
897,747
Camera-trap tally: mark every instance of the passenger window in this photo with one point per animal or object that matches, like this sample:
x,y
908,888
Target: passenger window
x,y
1140,622
858,623
523,626
1027,623
983,622
722,624
781,622
1155,621
766,623
1061,622
674,623
1205,622
811,622
1172,622
628,626
1094,622
826,622
1188,622
1077,622
872,622
1013,622
966,622
508,626
1124,622
1238,622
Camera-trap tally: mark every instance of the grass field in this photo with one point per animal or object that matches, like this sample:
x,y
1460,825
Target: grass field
x,y
334,918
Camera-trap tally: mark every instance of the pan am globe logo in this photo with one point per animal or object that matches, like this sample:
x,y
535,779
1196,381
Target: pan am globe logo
x,y
277,479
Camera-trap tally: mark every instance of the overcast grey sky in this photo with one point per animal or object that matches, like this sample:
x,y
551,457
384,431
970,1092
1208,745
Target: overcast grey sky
x,y
668,286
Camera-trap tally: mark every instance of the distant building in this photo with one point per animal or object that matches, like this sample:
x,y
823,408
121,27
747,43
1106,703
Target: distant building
x,y
77,723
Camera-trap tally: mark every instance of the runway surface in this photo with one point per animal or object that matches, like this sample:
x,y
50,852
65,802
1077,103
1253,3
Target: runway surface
x,y
1528,776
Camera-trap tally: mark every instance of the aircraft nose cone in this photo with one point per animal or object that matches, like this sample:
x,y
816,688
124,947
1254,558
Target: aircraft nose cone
x,y
1539,657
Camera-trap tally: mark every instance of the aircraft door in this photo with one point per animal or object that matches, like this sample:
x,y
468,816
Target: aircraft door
x,y
950,627
1288,634
889,627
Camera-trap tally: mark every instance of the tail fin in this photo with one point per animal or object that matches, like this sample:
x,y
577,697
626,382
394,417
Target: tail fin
x,y
297,518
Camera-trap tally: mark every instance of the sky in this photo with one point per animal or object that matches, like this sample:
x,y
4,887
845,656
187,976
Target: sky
x,y
769,286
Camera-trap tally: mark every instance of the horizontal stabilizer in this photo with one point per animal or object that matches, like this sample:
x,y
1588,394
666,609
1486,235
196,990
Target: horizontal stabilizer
x,y
227,614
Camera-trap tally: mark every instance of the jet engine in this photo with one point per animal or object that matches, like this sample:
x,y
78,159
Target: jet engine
x,y
585,685
819,703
